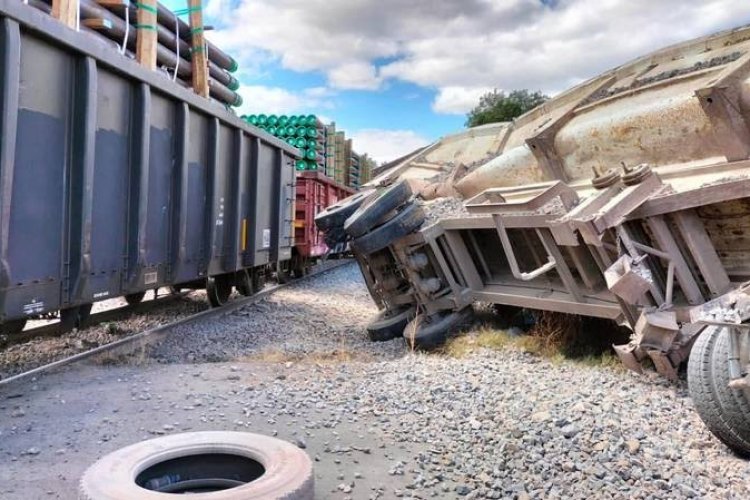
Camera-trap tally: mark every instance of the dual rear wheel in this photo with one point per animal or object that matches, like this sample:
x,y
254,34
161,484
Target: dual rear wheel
x,y
725,409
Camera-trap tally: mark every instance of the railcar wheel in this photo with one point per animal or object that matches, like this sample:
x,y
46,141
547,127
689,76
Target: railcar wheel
x,y
135,298
259,280
428,332
375,210
244,283
335,215
75,317
13,327
204,465
388,325
402,224
218,289
704,390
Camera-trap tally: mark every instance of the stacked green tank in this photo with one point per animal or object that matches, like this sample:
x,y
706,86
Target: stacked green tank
x,y
305,132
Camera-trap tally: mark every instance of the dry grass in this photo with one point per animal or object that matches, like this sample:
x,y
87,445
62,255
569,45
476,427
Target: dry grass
x,y
556,337
485,338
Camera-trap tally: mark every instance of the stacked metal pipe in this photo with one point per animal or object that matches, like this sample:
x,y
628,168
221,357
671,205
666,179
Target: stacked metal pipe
x,y
118,24
304,132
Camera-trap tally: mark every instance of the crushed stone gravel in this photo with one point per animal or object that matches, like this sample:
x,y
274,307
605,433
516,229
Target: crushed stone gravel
x,y
378,421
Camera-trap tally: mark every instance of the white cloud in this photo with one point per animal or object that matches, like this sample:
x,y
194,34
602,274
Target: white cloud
x,y
458,100
354,75
387,145
262,99
458,47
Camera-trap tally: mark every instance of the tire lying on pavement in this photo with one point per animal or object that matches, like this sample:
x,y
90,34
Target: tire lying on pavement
x,y
376,209
432,331
708,391
402,224
205,465
388,325
335,215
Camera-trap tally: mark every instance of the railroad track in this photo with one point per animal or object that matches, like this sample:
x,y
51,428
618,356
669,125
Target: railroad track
x,y
141,340
109,315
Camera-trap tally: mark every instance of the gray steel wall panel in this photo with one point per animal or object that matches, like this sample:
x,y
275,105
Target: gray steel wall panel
x,y
115,180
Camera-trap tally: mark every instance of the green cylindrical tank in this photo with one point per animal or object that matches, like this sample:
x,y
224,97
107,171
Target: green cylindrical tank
x,y
311,154
273,120
272,130
311,120
294,120
312,143
301,132
291,131
300,142
312,132
283,120
262,120
291,141
300,165
311,165
253,119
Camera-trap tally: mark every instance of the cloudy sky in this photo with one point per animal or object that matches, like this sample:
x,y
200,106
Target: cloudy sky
x,y
397,74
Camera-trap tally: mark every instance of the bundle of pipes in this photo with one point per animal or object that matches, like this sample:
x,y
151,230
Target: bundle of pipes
x,y
173,52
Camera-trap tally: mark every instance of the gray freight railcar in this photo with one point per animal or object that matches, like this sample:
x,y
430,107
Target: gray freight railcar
x,y
115,180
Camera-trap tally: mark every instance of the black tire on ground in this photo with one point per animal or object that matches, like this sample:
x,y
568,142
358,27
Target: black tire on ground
x,y
135,298
426,333
375,210
218,289
239,464
702,388
75,317
734,402
335,215
404,223
388,325
243,282
12,327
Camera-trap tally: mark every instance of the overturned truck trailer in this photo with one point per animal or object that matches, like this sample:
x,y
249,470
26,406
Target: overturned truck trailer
x,y
626,197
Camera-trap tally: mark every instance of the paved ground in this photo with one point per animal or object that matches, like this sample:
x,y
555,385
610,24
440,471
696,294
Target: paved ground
x,y
378,421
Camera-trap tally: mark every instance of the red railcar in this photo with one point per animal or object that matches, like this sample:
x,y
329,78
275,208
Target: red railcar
x,y
314,193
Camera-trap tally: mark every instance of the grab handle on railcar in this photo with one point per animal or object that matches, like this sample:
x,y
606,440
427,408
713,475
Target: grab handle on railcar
x,y
513,263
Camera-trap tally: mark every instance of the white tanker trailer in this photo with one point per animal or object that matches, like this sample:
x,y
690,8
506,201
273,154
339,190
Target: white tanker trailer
x,y
626,197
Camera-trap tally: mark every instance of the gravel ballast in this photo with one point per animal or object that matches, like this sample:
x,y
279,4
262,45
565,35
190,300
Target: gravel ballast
x,y
378,421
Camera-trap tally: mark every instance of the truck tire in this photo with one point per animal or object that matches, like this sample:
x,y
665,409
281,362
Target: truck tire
x,y
388,325
375,210
702,389
734,402
428,333
335,215
241,465
404,223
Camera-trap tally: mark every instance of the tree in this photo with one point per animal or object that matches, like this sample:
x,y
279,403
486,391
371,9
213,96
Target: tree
x,y
496,106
